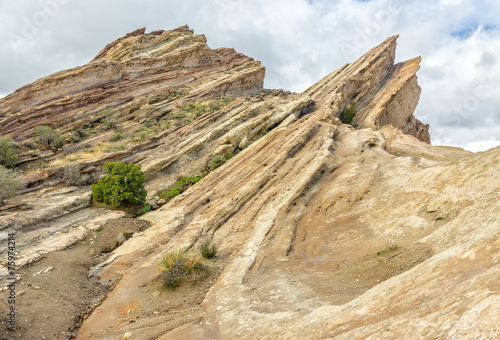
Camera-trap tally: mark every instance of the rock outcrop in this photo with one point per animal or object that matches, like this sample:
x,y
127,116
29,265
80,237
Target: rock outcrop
x,y
136,76
324,229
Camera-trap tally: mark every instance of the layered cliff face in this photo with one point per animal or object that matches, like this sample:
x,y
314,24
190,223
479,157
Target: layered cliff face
x,y
324,229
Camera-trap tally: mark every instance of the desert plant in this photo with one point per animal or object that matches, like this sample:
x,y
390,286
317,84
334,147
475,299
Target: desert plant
x,y
116,137
71,174
180,186
30,145
200,108
109,121
347,115
8,153
217,161
9,185
49,138
208,251
116,148
77,135
390,247
123,185
177,264
146,208
180,261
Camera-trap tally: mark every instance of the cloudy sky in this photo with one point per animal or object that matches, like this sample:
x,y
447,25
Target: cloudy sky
x,y
299,42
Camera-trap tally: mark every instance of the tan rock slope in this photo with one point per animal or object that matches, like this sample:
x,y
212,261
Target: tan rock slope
x,y
325,230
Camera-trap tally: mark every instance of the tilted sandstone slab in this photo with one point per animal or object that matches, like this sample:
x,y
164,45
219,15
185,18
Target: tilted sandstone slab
x,y
313,194
326,230
136,76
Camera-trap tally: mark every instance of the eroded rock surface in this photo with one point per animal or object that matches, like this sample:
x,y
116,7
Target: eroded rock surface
x,y
326,230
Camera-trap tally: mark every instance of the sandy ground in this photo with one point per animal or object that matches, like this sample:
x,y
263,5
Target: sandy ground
x,y
54,294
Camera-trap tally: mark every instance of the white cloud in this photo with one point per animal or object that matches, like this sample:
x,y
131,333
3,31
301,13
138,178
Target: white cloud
x,y
481,145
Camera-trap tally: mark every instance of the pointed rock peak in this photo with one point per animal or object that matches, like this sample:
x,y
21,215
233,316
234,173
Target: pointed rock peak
x,y
383,93
141,44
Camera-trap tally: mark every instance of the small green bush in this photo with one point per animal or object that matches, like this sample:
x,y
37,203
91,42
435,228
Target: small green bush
x,y
347,115
8,153
9,185
217,161
48,138
123,185
208,251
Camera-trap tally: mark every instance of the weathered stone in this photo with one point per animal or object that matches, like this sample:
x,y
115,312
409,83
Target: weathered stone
x,y
300,209
120,239
152,204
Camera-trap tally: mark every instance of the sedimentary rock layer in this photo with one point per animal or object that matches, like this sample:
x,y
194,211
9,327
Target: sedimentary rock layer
x,y
325,229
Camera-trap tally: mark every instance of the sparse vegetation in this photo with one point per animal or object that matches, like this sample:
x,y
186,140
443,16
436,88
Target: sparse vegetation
x,y
146,208
217,161
41,165
89,152
115,148
390,247
110,122
9,184
49,138
347,115
8,153
123,185
77,135
180,186
208,251
108,249
198,109
71,174
177,264
30,145
116,137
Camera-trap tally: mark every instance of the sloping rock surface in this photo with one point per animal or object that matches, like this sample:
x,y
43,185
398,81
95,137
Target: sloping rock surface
x,y
325,230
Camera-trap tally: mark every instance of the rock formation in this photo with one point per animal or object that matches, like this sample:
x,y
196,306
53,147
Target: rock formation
x,y
324,229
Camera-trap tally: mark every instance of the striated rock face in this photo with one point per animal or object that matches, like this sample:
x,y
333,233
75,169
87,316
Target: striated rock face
x,y
136,76
324,230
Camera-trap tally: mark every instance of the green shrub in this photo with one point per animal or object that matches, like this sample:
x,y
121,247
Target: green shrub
x,y
9,185
8,153
208,251
217,161
347,115
123,185
48,138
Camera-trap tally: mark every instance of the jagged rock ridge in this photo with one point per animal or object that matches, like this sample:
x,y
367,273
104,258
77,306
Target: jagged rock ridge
x,y
302,215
